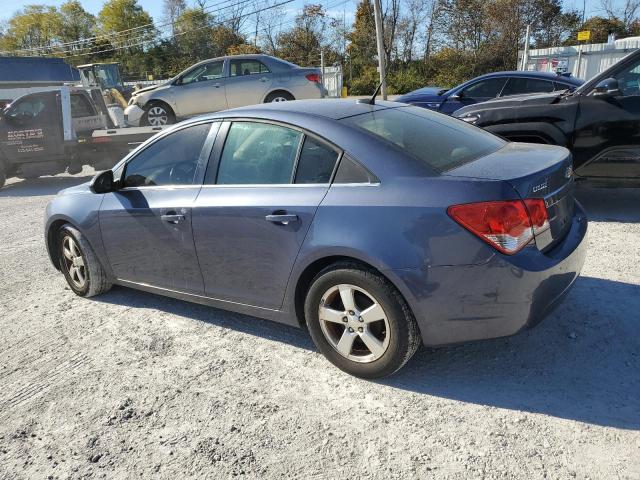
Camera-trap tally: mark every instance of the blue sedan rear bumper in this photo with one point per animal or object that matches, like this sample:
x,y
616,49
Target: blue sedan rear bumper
x,y
455,304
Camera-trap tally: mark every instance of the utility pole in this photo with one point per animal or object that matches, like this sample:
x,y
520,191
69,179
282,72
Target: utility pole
x,y
525,55
377,9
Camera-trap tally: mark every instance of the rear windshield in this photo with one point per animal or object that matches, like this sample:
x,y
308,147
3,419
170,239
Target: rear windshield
x,y
439,141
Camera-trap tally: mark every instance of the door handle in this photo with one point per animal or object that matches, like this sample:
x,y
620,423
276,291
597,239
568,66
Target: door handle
x,y
264,79
217,85
282,218
172,218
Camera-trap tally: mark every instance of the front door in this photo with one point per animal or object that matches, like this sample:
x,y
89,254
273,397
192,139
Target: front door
x,y
201,90
251,219
607,133
31,128
480,91
248,82
146,224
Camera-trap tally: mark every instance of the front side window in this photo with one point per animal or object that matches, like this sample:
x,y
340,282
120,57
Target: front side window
x,y
172,160
439,141
489,88
258,153
247,67
629,80
29,108
519,85
204,73
316,162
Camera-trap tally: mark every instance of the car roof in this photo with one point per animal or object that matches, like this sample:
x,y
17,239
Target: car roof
x,y
334,109
534,74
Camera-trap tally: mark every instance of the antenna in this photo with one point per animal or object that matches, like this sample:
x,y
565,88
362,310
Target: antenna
x,y
372,100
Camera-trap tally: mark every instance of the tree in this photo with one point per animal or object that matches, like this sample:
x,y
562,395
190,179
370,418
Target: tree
x,y
76,22
126,23
35,28
627,13
171,10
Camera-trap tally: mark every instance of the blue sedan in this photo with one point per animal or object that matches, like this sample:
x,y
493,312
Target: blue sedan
x,y
378,227
487,87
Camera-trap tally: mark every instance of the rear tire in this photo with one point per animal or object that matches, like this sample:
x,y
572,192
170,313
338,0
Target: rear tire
x,y
279,96
158,114
372,337
79,264
3,173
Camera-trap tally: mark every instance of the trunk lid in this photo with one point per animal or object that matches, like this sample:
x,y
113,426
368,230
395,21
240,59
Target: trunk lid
x,y
534,171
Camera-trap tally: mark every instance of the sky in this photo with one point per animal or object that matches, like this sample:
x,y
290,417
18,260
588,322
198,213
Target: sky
x,y
154,7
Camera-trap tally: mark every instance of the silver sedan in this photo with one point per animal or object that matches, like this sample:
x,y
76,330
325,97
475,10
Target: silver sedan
x,y
221,83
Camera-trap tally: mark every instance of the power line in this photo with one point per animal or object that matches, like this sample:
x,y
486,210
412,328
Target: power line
x,y
110,36
219,23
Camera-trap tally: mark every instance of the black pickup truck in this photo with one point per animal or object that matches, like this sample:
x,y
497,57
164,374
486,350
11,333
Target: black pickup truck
x,y
62,129
599,122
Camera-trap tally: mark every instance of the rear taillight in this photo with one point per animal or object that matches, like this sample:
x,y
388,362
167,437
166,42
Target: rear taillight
x,y
505,225
313,77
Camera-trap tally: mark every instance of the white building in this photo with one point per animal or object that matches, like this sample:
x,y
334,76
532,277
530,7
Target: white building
x,y
593,59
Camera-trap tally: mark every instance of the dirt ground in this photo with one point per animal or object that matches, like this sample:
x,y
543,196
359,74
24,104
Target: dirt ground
x,y
135,385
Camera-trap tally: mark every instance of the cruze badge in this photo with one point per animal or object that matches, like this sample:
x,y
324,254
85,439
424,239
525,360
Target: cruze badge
x,y
542,186
568,172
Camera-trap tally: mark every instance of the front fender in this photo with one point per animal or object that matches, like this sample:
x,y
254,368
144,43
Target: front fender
x,y
534,132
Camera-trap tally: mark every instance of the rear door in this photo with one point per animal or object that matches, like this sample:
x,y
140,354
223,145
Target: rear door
x,y
248,82
263,187
146,224
606,145
31,128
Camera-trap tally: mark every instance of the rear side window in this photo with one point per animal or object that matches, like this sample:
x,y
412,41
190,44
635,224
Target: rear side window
x,y
258,153
316,162
247,67
439,141
518,85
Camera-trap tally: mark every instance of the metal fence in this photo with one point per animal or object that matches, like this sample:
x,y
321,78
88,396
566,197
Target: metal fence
x,y
583,62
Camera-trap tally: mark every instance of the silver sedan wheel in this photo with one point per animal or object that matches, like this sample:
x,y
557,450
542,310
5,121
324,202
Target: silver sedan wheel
x,y
74,262
279,99
354,323
157,116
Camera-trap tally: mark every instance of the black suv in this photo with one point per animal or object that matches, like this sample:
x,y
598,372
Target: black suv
x,y
599,122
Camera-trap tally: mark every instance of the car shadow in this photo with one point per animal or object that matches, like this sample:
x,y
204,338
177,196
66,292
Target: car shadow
x,y
610,204
581,363
41,186
242,323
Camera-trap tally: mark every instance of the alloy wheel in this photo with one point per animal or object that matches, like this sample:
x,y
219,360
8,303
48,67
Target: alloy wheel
x,y
280,99
354,323
157,116
74,262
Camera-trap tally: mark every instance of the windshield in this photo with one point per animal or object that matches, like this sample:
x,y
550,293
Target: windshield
x,y
442,142
108,75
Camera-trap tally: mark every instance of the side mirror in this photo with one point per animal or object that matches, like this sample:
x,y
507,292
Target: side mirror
x,y
103,182
456,97
607,87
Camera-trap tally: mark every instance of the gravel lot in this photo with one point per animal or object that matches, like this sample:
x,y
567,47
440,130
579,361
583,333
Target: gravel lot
x,y
135,385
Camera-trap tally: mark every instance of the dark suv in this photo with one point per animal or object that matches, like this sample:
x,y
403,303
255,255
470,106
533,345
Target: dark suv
x,y
599,122
487,87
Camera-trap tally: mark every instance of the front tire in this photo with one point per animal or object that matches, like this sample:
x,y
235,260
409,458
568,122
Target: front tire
x,y
80,265
279,96
360,322
3,173
157,115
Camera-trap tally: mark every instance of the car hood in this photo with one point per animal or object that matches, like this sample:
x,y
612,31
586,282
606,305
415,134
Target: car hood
x,y
150,89
512,101
426,94
76,190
